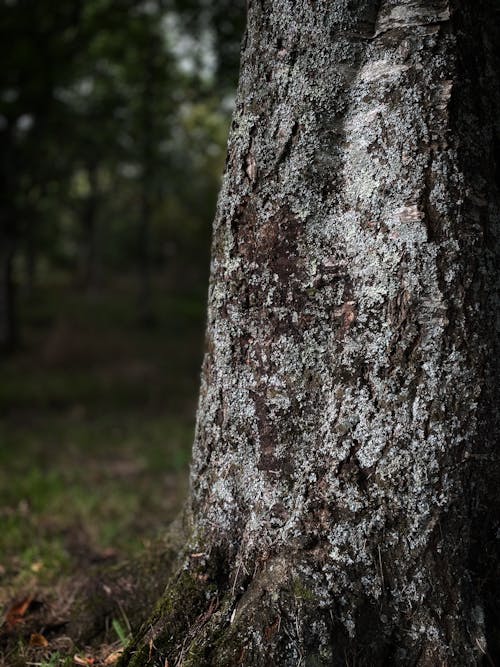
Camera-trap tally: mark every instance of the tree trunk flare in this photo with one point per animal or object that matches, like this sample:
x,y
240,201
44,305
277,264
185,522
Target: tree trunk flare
x,y
344,508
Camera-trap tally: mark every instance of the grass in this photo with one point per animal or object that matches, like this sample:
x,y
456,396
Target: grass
x,y
96,422
71,489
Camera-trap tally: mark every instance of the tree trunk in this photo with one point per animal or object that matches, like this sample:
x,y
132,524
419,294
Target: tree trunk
x,y
343,505
145,301
146,316
9,235
8,320
88,255
30,259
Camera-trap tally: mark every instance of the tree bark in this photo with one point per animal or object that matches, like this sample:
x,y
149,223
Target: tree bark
x,y
344,504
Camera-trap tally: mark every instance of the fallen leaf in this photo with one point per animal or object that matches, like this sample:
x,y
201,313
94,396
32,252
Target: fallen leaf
x,y
17,611
37,566
38,641
113,657
78,660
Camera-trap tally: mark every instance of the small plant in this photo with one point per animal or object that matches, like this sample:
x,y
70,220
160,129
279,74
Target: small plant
x,y
121,633
54,660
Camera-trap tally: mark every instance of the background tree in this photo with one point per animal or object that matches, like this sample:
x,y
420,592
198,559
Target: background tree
x,y
43,45
94,95
343,504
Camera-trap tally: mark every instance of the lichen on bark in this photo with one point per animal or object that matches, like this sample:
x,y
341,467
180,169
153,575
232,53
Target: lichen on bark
x,y
345,441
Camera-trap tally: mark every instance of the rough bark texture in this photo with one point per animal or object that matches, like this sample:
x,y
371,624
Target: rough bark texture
x,y
343,499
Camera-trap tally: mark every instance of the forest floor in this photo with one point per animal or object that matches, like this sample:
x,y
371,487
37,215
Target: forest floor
x,y
96,423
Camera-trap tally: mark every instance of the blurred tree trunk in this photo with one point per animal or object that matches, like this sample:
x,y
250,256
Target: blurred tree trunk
x,y
8,242
30,258
88,268
145,288
8,319
344,494
145,294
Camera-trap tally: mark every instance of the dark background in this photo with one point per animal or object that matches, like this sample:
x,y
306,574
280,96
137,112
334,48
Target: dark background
x,y
113,124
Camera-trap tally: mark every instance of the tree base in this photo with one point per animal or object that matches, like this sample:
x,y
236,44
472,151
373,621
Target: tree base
x,y
275,617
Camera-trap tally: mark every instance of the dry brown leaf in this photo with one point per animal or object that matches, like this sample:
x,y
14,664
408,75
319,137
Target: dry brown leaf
x,y
78,660
17,611
38,641
113,657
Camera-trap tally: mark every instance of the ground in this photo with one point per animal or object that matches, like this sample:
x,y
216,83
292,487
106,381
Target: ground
x,y
96,424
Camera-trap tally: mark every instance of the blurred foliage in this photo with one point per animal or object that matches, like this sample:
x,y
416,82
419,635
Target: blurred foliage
x,y
113,120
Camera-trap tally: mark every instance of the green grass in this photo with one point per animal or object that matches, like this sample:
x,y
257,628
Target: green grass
x,y
92,485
